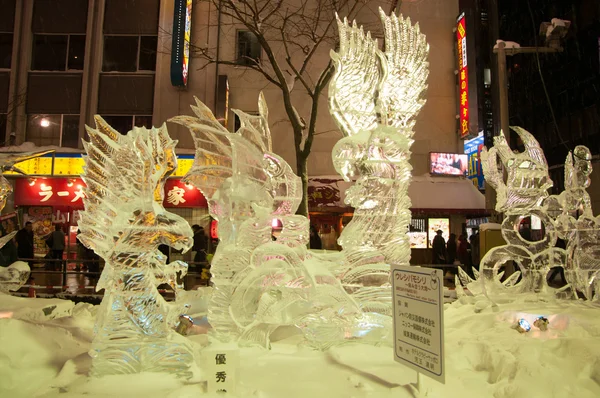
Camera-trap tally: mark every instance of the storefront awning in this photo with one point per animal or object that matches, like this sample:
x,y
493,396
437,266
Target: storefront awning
x,y
440,193
427,193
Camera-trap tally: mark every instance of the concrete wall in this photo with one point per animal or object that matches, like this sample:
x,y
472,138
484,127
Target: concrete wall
x,y
436,125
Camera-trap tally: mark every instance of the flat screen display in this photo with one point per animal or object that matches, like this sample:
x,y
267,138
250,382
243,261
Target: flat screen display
x,y
453,164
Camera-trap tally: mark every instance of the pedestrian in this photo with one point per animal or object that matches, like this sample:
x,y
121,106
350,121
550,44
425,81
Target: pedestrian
x,y
451,248
315,239
463,253
24,240
200,246
81,254
439,248
58,244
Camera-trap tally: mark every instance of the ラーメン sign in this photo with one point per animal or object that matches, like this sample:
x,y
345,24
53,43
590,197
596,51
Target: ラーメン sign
x,y
463,76
180,53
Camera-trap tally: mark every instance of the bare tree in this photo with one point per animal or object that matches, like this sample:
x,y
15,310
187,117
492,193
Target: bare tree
x,y
8,118
291,33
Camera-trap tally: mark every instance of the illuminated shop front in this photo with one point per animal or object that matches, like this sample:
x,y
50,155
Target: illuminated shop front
x,y
53,192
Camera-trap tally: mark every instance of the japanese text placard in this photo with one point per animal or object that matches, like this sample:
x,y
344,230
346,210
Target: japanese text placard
x,y
418,295
220,363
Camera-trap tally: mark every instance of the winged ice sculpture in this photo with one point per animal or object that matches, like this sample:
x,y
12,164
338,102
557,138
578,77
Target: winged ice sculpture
x,y
260,285
124,222
15,275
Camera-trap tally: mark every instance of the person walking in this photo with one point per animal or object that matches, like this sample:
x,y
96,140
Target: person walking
x,y
451,248
439,248
475,249
463,254
200,246
24,240
58,244
315,240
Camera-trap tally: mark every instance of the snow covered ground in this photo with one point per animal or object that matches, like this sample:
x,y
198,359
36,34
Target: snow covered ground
x,y
44,357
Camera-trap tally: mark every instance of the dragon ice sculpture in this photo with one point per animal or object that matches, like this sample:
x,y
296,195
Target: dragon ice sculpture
x,y
525,194
124,222
260,285
15,275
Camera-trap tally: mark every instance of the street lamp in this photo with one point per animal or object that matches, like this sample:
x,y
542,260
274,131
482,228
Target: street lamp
x,y
44,122
553,32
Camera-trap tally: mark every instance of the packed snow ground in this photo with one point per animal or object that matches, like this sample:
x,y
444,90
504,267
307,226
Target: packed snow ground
x,y
44,354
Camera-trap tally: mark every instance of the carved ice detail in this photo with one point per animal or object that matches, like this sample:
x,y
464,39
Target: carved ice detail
x,y
260,284
568,216
124,222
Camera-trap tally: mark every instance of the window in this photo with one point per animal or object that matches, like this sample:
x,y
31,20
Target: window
x,y
6,42
129,53
59,130
248,48
58,52
236,120
123,124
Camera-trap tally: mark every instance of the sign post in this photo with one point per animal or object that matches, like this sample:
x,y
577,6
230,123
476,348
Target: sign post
x,y
418,295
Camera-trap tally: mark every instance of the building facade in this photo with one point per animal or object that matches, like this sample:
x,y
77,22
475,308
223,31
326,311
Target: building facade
x,y
64,61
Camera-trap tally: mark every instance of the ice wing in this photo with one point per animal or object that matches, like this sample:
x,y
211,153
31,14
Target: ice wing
x,y
213,161
406,70
353,88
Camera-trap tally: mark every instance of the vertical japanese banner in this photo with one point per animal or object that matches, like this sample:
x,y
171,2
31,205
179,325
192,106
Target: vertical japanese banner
x,y
418,296
221,362
41,218
463,73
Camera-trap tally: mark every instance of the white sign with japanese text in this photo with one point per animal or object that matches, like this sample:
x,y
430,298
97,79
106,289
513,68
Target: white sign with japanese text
x,y
221,362
418,295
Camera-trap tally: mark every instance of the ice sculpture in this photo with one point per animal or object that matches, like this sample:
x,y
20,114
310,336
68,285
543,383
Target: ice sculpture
x,y
15,275
124,222
525,194
260,285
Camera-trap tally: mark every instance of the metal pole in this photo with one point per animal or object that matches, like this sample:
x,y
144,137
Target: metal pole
x,y
503,90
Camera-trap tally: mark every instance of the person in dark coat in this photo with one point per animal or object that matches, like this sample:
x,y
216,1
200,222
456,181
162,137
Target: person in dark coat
x,y
24,240
451,248
200,246
315,239
439,248
464,256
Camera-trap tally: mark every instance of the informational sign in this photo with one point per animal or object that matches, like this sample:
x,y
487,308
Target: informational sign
x,y
473,151
180,53
418,295
463,75
221,362
453,164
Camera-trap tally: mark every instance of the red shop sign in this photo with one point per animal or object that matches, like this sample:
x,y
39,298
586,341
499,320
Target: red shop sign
x,y
49,192
69,192
178,194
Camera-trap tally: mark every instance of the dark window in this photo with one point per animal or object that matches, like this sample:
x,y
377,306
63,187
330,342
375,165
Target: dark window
x,y
70,131
148,46
59,16
49,52
120,123
76,52
43,129
138,17
6,43
248,48
7,16
143,121
120,53
59,130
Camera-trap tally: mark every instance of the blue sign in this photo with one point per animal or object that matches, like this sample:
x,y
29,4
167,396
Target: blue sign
x,y
473,150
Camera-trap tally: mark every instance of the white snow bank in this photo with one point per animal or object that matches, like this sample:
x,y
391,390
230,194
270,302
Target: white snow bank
x,y
485,357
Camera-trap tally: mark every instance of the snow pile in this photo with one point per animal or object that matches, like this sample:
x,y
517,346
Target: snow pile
x,y
485,357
